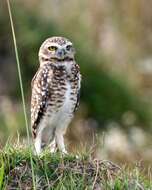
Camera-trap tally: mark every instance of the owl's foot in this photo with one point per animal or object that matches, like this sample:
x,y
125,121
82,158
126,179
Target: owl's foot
x,y
64,152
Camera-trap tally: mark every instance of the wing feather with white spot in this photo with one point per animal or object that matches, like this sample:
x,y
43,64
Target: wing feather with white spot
x,y
41,92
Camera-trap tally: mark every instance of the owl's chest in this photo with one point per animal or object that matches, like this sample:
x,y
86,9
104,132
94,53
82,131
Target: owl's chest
x,y
68,100
63,93
63,105
66,85
66,93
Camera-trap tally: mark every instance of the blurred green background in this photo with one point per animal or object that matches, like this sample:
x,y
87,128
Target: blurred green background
x,y
113,40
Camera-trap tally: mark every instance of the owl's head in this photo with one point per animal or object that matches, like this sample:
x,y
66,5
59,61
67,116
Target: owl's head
x,y
56,48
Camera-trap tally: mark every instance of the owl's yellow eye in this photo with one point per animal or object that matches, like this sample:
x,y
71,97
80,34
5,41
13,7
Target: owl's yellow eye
x,y
52,48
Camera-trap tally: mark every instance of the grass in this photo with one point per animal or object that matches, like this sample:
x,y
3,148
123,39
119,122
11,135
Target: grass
x,y
21,87
57,172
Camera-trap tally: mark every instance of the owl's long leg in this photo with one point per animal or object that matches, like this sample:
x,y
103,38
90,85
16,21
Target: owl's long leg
x,y
40,136
49,137
59,135
52,146
37,143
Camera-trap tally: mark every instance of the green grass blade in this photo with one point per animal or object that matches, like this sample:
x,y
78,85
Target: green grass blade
x,y
1,173
19,69
21,87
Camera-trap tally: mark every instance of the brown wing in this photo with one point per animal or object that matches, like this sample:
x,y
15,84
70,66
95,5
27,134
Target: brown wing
x,y
41,85
78,80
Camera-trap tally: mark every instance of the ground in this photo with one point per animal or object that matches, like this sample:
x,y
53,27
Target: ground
x,y
57,172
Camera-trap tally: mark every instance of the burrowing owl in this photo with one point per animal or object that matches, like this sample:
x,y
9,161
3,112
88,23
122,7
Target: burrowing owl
x,y
55,93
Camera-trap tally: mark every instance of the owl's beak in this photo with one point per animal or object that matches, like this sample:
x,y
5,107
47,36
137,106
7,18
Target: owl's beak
x,y
61,53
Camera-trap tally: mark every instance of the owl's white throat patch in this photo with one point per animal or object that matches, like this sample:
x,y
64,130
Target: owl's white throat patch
x,y
68,66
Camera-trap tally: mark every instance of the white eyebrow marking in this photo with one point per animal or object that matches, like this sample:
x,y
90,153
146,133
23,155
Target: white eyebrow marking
x,y
68,44
53,44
